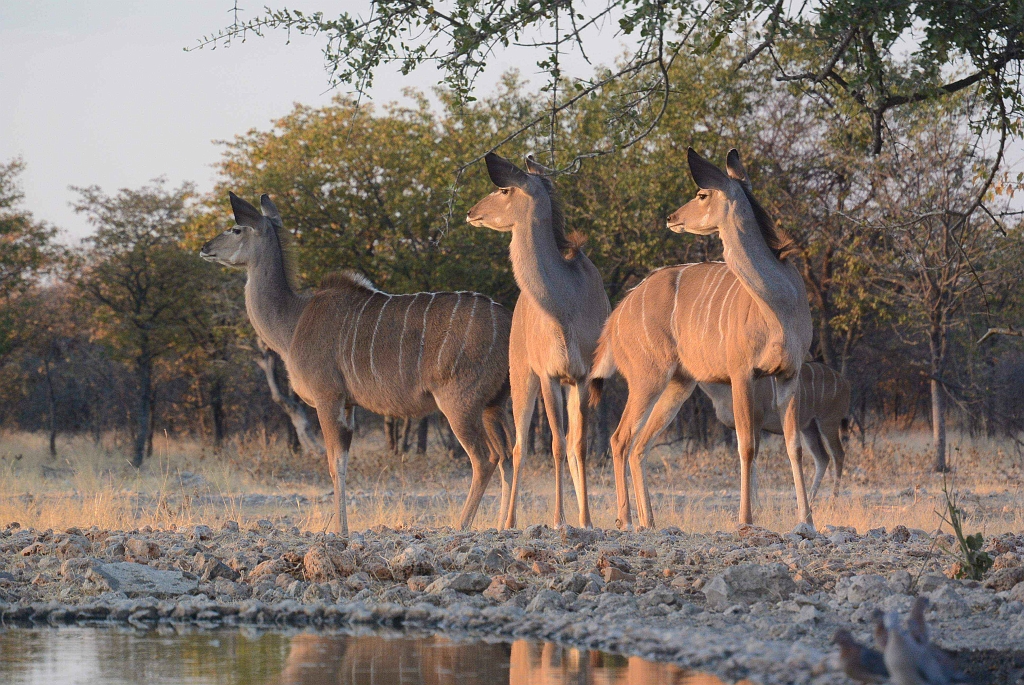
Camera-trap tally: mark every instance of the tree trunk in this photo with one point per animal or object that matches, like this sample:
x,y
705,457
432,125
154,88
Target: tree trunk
x,y
51,400
217,411
143,418
937,348
406,430
421,435
939,426
391,433
290,404
152,427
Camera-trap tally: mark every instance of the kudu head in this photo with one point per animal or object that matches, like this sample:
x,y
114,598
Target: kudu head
x,y
520,195
253,235
717,194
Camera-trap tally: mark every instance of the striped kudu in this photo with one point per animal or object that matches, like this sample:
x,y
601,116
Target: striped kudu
x,y
557,320
718,322
824,398
350,344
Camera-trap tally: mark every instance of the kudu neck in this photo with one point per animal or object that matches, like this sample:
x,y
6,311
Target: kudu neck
x,y
537,263
749,257
273,307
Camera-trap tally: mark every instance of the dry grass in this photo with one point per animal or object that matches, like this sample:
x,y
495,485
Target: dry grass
x,y
887,482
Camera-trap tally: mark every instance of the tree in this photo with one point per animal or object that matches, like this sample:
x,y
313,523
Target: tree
x,y
144,287
933,242
851,50
26,250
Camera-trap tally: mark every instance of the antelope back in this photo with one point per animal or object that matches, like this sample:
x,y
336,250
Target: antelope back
x,y
395,351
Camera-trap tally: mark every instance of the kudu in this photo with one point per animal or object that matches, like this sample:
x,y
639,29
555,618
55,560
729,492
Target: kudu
x,y
714,322
824,404
350,344
556,323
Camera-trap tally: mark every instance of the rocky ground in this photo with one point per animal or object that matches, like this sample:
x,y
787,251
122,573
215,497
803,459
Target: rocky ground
x,y
749,603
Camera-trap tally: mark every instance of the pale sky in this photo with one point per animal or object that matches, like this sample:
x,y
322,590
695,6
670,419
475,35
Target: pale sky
x,y
101,92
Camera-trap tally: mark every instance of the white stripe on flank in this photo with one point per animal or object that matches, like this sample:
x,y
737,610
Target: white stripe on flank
x,y
725,306
494,328
697,301
343,327
458,300
822,386
675,303
401,338
465,338
643,317
814,390
355,334
373,338
423,338
711,300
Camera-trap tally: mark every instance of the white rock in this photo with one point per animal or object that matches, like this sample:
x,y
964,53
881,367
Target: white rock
x,y
140,580
805,530
545,599
948,603
749,583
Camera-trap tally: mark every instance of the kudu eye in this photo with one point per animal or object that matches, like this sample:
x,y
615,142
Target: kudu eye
x,y
506,191
236,230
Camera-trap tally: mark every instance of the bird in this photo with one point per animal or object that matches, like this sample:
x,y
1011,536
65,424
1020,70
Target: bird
x,y
881,637
918,629
916,624
911,662
861,663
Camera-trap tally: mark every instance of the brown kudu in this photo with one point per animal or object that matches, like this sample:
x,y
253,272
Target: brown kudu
x,y
350,344
556,322
824,398
730,322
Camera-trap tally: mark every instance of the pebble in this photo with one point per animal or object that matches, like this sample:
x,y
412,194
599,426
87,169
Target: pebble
x,y
751,594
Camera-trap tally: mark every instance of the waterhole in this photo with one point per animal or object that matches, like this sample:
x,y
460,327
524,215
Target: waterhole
x,y
112,656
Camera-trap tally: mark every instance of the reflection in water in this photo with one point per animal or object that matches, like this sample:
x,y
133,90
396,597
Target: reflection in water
x,y
83,656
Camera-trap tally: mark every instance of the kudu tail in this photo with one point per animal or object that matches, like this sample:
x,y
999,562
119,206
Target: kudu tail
x,y
604,367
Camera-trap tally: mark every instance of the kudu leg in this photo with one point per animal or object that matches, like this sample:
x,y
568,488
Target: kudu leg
x,y
551,390
665,409
499,430
335,420
525,386
621,442
811,440
577,447
746,440
469,429
789,411
639,404
837,453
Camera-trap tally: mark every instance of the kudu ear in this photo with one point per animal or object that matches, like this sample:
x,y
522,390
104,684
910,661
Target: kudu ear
x,y
734,167
269,210
245,213
535,167
705,174
504,173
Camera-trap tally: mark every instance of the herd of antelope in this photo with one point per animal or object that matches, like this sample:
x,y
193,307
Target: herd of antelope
x,y
741,329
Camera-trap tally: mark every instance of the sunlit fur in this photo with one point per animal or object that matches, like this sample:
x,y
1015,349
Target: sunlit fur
x,y
350,344
730,322
556,322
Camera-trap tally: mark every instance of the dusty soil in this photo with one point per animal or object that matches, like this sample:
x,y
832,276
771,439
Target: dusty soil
x,y
769,617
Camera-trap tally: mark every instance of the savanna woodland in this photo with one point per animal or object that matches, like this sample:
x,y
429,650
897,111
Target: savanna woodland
x,y
876,135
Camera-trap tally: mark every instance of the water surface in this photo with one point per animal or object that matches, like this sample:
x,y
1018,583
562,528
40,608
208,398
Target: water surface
x,y
116,656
